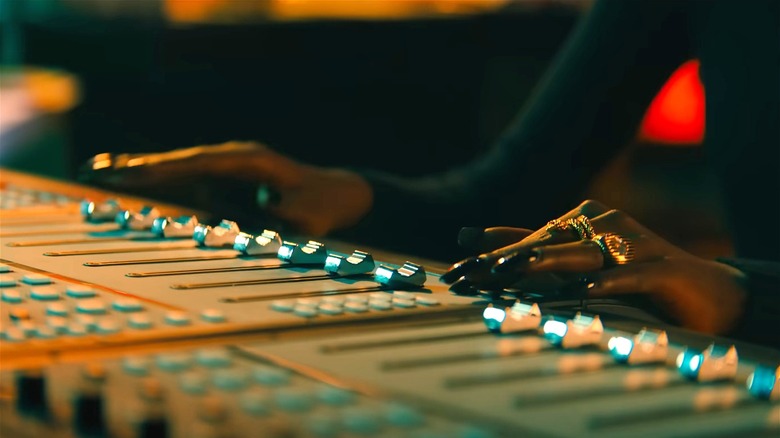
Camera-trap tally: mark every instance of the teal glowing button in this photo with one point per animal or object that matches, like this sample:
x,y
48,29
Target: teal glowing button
x,y
177,318
213,358
7,281
36,279
139,321
688,363
294,400
174,362
58,323
493,317
283,305
127,305
4,268
12,296
91,307
79,291
45,332
555,330
76,329
108,326
335,396
136,365
46,293
271,376
212,315
620,348
230,379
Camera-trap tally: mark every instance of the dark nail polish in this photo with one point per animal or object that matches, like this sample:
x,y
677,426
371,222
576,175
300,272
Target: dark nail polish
x,y
514,261
464,287
459,269
470,236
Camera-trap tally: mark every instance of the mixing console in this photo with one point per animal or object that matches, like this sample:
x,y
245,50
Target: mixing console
x,y
121,317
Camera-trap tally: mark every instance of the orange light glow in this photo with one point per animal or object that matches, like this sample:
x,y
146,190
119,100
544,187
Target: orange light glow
x,y
676,114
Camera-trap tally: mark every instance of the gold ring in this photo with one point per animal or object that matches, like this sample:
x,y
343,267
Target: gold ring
x,y
556,225
617,250
582,226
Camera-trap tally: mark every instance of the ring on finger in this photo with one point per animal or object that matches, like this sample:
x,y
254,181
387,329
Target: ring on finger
x,y
582,227
617,249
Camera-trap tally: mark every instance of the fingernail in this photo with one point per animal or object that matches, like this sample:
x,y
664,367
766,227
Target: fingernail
x,y
464,287
459,269
518,260
470,236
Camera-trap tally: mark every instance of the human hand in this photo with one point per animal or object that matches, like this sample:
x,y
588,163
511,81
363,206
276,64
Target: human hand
x,y
313,200
699,294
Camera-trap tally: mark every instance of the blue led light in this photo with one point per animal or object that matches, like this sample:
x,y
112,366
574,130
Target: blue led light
x,y
554,331
87,207
688,363
382,275
158,226
762,381
332,263
493,318
620,348
285,252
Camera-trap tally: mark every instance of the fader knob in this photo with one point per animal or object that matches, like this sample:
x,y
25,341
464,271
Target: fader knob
x,y
312,253
268,242
100,212
408,276
358,263
223,234
31,393
141,220
183,226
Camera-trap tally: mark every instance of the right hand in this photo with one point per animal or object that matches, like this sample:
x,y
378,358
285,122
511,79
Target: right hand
x,y
313,200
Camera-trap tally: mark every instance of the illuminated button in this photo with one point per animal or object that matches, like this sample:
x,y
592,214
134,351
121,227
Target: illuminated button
x,y
283,305
193,382
713,364
174,362
46,293
335,396
427,300
136,365
518,318
4,268
108,326
331,309
12,296
764,383
305,311
334,299
357,299
212,315
294,400
100,212
58,323
91,307
142,220
76,329
230,379
646,347
311,302
404,303
79,291
255,403
355,307
88,321
7,281
213,358
380,296
177,318
223,234
403,416
19,314
577,332
361,421
380,304
401,295
27,326
139,321
15,334
269,376
127,305
36,279
45,332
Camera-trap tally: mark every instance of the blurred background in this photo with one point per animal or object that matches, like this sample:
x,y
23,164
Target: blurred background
x,y
408,86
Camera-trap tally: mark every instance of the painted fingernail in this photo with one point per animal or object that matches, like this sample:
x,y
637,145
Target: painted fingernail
x,y
464,287
518,260
470,236
459,269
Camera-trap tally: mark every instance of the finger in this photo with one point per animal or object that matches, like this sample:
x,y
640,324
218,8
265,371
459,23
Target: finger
x,y
581,256
636,278
489,239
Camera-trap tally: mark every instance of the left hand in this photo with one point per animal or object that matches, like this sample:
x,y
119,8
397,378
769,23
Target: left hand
x,y
699,294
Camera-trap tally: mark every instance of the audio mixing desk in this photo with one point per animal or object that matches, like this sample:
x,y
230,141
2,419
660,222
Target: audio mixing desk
x,y
122,317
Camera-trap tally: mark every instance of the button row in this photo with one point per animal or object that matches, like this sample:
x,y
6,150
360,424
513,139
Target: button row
x,y
357,303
